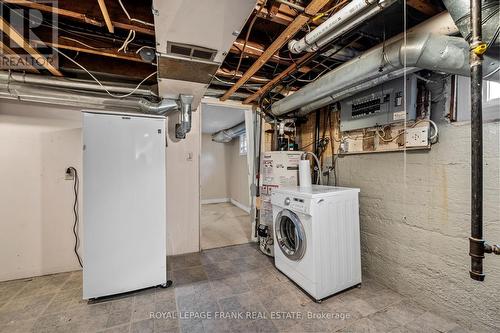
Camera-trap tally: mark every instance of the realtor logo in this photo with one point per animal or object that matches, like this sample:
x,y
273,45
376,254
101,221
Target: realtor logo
x,y
27,35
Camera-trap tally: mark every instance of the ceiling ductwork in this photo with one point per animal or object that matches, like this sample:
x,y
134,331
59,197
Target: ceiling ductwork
x,y
422,50
349,17
227,135
193,39
460,11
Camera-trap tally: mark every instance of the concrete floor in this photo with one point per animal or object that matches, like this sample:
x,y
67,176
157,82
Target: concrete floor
x,y
233,280
224,224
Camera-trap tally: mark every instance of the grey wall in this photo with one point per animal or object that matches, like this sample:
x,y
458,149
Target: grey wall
x,y
415,222
237,167
213,173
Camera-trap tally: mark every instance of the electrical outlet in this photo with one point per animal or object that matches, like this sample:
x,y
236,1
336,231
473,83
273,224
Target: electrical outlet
x,y
417,137
69,175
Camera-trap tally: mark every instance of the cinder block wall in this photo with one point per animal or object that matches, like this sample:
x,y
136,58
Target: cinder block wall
x,y
415,222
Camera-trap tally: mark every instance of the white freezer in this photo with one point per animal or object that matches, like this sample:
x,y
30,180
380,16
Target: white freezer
x,y
124,203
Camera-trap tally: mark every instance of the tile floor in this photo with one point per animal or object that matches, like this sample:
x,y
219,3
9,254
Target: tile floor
x,y
224,224
221,282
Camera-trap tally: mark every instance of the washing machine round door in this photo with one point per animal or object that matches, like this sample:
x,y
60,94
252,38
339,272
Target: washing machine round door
x,y
290,235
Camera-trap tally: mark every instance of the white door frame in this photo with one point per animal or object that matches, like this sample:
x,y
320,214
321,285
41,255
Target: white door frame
x,y
250,154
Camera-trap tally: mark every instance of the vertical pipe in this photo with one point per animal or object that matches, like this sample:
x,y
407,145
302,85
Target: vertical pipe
x,y
477,48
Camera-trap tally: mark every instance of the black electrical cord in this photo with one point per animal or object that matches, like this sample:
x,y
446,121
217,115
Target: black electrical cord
x,y
76,186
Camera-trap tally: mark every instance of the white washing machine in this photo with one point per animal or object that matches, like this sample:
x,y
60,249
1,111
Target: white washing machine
x,y
316,238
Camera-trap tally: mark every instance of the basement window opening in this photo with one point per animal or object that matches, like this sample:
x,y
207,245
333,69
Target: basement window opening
x,y
243,144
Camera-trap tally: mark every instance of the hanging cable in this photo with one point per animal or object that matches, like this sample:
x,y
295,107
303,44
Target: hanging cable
x,y
250,27
99,82
128,40
76,186
133,19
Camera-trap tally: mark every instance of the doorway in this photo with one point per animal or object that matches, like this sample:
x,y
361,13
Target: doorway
x,y
226,203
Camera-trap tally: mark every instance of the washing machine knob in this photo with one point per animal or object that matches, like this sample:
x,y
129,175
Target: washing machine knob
x,y
287,201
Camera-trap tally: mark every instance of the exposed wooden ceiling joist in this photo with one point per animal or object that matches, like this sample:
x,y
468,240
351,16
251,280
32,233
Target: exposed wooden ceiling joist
x,y
83,17
293,67
105,15
253,49
312,9
62,12
69,45
19,40
8,52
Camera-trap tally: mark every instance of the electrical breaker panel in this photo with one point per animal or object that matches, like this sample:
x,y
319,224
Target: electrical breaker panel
x,y
380,105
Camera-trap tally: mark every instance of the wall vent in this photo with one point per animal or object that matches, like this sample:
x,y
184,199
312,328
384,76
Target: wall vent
x,y
190,51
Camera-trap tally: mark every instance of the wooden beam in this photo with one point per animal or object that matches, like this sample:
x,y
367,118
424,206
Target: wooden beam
x,y
105,15
55,10
82,17
312,9
68,45
423,6
293,67
19,40
6,51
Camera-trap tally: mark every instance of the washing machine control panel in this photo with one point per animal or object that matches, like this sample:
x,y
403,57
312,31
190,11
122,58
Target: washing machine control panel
x,y
297,204
291,202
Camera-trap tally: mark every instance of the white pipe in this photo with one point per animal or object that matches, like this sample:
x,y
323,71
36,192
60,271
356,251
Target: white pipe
x,y
345,19
372,11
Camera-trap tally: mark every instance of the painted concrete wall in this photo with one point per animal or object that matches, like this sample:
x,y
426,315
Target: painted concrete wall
x,y
237,167
36,202
183,190
415,222
213,173
37,143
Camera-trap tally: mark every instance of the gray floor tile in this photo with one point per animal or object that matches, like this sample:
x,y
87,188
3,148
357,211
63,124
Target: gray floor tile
x,y
143,326
189,275
236,279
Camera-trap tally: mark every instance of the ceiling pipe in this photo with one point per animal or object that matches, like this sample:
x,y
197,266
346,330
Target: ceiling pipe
x,y
64,97
363,17
477,245
227,135
60,82
292,5
426,51
305,110
345,19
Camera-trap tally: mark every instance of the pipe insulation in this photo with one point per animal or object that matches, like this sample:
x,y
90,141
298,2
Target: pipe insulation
x,y
227,135
348,26
347,18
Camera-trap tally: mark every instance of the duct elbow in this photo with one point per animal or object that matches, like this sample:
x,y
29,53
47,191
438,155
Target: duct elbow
x,y
163,107
184,126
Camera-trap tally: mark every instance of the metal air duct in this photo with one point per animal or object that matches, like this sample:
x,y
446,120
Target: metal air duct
x,y
59,82
460,11
227,135
184,126
423,50
163,107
